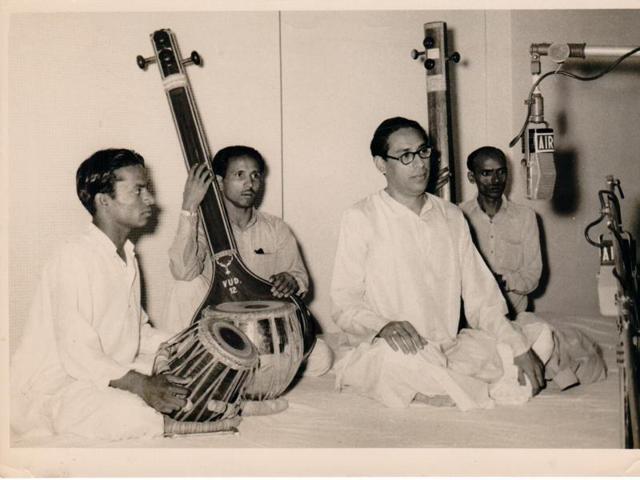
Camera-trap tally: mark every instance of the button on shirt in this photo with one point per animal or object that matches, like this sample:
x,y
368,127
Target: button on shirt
x,y
266,245
510,244
394,265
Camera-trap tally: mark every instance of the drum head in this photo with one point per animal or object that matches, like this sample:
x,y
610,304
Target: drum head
x,y
225,339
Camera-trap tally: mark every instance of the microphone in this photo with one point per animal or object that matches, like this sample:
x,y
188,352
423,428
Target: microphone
x,y
538,148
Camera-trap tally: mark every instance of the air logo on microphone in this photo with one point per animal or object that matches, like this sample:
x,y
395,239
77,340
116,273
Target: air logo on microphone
x,y
606,252
542,140
538,146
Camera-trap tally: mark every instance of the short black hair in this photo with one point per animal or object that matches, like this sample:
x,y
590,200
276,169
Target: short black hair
x,y
380,141
485,152
97,173
223,157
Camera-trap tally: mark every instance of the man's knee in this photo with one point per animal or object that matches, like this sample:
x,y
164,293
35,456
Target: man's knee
x,y
106,413
320,359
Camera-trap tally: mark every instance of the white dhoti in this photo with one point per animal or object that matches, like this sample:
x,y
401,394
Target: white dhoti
x,y
474,370
105,413
82,408
88,411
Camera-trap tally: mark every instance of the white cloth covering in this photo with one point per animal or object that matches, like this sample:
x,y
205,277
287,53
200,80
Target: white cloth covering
x,y
394,265
585,416
86,327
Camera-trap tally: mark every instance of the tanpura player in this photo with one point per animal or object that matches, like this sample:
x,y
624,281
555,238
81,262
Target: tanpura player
x,y
265,242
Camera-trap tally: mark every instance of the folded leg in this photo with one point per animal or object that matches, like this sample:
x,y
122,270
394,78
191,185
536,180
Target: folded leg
x,y
107,413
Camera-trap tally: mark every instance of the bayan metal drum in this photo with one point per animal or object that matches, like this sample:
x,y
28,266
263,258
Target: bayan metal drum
x,y
275,331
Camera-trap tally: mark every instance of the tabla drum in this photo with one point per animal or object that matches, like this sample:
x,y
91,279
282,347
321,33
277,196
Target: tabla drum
x,y
220,362
274,329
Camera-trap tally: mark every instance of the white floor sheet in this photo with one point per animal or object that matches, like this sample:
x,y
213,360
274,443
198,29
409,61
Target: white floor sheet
x,y
318,416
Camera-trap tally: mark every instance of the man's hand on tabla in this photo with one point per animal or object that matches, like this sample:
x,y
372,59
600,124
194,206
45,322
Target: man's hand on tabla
x,y
284,284
164,393
529,364
403,336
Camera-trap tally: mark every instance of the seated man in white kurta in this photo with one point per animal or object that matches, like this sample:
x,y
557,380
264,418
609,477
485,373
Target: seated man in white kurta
x,y
78,368
404,261
265,242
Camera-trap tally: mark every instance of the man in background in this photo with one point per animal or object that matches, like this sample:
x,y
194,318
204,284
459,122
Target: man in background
x,y
505,233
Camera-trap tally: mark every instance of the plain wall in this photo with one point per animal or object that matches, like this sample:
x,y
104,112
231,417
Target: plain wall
x,y
75,88
345,72
307,89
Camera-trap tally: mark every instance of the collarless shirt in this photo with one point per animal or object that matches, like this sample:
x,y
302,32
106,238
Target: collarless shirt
x,y
510,244
86,322
394,265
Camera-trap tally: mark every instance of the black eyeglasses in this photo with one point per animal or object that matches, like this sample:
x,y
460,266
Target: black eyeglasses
x,y
408,157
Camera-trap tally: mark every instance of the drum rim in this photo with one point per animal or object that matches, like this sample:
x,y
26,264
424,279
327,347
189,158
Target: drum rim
x,y
271,307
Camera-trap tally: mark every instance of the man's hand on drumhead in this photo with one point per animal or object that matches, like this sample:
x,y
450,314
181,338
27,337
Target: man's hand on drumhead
x,y
283,284
403,336
164,392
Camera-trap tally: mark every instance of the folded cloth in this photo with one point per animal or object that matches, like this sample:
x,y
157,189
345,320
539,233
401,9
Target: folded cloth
x,y
576,358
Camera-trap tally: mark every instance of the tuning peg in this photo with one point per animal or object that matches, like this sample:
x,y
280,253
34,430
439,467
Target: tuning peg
x,y
615,183
415,54
194,59
429,64
454,57
143,62
428,42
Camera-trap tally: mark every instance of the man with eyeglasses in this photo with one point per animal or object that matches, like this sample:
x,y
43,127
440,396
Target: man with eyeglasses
x,y
404,262
265,242
505,233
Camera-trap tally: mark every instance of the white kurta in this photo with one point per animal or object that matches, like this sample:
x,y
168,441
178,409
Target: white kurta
x,y
86,327
394,265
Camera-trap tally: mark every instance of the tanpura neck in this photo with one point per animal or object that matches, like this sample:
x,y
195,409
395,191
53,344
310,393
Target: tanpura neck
x,y
490,206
